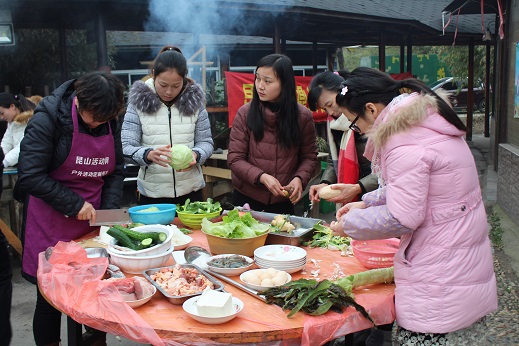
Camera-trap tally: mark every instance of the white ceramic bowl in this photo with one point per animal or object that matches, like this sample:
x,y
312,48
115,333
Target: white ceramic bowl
x,y
257,287
230,271
179,240
136,265
190,307
137,303
154,250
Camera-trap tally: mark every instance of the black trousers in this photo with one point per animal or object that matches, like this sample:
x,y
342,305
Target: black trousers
x,y
239,199
6,292
46,324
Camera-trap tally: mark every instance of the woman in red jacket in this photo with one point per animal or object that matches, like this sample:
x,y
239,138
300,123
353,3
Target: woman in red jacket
x,y
272,150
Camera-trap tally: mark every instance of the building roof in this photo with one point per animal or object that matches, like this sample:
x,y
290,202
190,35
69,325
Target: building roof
x,y
334,22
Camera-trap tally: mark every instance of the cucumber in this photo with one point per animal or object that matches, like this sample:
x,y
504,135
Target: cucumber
x,y
122,238
157,237
146,242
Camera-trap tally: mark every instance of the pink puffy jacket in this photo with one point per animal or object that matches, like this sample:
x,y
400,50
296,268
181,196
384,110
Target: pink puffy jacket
x,y
444,268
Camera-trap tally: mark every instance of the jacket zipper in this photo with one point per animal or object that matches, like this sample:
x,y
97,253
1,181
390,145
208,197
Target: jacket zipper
x,y
171,144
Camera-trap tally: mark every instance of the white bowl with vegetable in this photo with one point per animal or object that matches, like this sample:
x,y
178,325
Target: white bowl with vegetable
x,y
160,236
138,264
229,264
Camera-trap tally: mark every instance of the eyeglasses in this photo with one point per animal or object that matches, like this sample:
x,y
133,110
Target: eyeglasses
x,y
353,126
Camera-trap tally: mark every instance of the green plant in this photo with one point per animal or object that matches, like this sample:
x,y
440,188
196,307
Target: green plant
x,y
322,145
496,231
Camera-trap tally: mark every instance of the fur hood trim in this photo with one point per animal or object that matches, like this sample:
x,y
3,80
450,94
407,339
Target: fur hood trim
x,y
24,117
400,116
146,100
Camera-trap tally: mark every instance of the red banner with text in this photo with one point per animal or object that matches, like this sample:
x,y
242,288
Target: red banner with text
x,y
239,92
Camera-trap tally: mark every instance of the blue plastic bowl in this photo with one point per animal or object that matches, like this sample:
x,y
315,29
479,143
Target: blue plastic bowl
x,y
165,216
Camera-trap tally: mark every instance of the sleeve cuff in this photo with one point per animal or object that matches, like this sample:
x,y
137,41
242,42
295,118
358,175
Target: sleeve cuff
x,y
362,188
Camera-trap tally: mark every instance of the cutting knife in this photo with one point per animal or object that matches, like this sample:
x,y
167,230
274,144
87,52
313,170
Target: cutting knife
x,y
111,217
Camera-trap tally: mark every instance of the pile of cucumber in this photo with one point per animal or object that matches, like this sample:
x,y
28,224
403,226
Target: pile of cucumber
x,y
134,240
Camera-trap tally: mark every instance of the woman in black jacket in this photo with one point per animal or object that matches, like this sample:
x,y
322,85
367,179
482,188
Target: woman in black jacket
x,y
71,163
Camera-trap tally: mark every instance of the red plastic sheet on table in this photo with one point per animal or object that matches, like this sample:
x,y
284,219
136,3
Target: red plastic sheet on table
x,y
333,325
73,284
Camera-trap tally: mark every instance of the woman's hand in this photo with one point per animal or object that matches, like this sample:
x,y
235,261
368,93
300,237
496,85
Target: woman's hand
x,y
191,164
338,226
348,192
87,212
314,192
161,156
295,190
272,184
348,207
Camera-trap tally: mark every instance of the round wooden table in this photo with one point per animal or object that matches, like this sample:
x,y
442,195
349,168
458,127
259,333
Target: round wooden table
x,y
258,322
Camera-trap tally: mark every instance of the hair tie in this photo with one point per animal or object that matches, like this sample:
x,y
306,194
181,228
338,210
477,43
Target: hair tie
x,y
337,73
344,90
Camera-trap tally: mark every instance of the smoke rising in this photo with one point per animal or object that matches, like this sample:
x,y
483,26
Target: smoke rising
x,y
214,17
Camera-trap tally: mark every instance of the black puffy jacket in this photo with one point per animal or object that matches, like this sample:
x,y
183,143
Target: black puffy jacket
x,y
46,145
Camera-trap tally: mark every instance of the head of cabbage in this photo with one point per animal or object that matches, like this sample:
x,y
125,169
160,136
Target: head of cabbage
x,y
181,156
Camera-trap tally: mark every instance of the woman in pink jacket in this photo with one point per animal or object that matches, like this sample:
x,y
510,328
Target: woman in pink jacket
x,y
430,197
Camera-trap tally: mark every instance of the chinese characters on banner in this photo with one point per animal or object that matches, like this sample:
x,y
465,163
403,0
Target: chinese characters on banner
x,y
239,92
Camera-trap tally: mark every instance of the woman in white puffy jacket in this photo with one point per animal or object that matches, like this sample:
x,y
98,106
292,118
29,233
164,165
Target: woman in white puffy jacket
x,y
17,111
167,109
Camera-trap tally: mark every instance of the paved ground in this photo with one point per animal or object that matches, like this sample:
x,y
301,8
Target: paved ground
x,y
503,326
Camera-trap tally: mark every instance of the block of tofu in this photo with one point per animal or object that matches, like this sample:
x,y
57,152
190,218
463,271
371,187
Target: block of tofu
x,y
215,304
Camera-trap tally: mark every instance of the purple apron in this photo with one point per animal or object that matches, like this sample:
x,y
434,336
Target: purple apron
x,y
90,159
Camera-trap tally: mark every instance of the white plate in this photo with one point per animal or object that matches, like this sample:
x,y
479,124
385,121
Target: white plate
x,y
288,270
178,256
190,307
277,264
280,253
281,267
230,271
257,287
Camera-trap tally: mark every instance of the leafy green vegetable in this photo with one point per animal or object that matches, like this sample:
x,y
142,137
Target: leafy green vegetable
x,y
323,237
235,226
316,298
185,230
149,210
199,207
181,156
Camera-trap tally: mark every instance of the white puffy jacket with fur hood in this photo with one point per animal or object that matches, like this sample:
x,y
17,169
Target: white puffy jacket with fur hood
x,y
149,124
13,136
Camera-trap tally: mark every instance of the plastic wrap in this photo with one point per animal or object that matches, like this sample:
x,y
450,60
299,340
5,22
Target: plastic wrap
x,y
73,284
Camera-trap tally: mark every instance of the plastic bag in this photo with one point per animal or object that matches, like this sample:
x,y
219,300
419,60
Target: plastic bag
x,y
73,284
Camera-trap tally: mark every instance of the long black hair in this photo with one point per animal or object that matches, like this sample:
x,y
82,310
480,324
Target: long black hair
x,y
18,100
364,85
288,118
327,80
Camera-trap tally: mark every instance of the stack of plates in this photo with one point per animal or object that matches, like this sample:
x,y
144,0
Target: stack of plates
x,y
281,257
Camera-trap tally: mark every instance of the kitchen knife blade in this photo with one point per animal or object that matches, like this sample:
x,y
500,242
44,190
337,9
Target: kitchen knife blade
x,y
111,217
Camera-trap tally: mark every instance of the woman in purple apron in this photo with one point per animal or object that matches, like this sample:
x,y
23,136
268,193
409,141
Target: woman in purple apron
x,y
71,164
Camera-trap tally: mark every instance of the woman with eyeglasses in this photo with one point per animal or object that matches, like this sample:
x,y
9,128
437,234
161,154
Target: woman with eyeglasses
x,y
430,198
354,178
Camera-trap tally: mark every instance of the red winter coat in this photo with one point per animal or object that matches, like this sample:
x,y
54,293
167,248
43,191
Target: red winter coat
x,y
249,159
